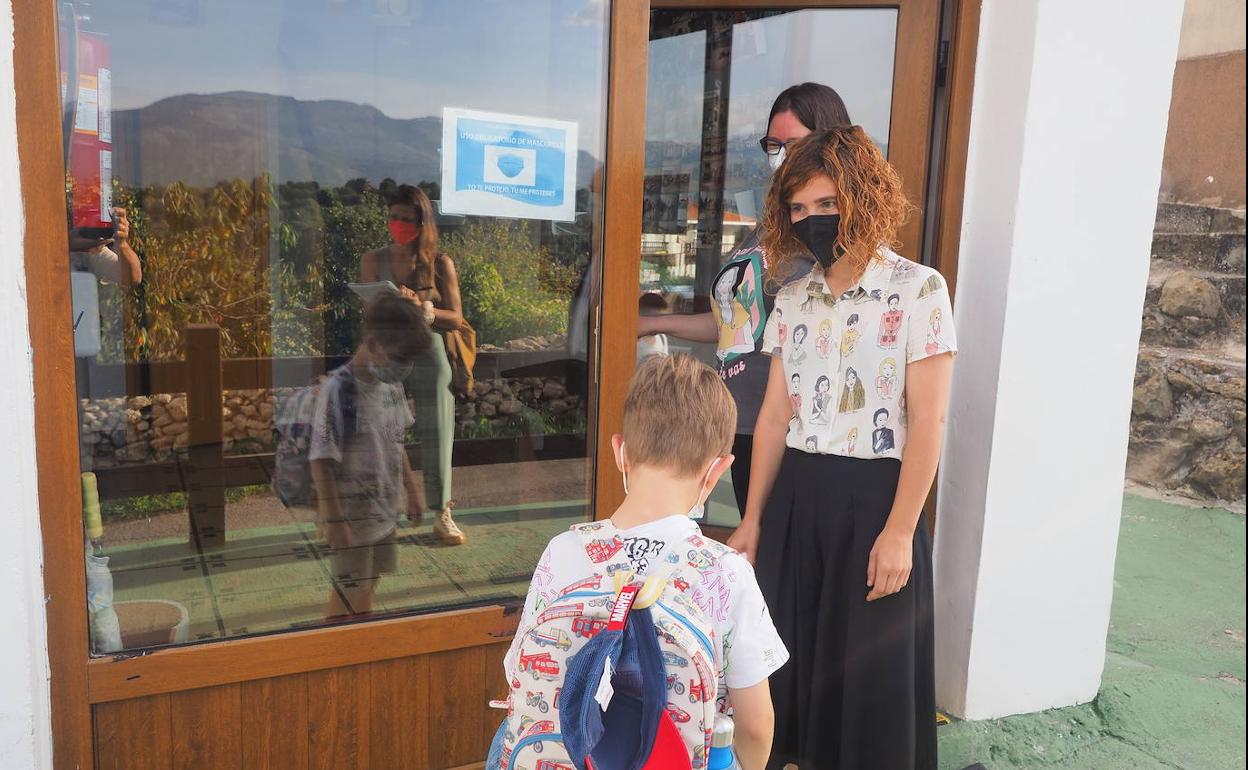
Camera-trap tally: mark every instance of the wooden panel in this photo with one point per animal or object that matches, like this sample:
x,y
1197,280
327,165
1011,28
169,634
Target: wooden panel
x,y
244,660
495,688
455,689
957,139
910,132
401,718
133,735
51,336
207,728
626,145
275,724
338,719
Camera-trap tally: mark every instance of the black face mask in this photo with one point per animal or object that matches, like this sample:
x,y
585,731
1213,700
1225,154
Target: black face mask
x,y
819,233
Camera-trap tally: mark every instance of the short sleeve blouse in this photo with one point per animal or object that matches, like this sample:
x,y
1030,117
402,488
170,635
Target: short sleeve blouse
x,y
845,357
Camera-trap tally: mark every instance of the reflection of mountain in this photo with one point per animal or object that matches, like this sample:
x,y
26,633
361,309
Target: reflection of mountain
x,y
202,139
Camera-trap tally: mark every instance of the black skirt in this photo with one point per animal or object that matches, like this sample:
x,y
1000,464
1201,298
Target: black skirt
x,y
858,692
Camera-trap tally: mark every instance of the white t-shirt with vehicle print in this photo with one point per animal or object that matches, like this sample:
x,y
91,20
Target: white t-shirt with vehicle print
x,y
749,649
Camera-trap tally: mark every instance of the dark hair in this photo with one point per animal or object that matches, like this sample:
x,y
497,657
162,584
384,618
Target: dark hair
x,y
823,380
853,319
801,328
878,412
427,241
398,326
892,297
817,106
652,301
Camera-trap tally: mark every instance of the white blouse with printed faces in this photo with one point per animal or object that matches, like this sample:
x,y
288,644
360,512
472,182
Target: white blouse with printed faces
x,y
845,357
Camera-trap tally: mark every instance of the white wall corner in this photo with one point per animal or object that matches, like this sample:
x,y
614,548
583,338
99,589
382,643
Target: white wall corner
x,y
25,702
1067,132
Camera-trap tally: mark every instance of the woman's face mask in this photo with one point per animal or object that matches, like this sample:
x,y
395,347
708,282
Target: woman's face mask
x,y
402,232
775,160
819,233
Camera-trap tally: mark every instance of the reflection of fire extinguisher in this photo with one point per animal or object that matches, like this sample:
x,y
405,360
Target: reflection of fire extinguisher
x,y
87,125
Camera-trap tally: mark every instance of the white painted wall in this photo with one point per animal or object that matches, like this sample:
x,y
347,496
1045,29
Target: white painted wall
x,y
25,726
1067,131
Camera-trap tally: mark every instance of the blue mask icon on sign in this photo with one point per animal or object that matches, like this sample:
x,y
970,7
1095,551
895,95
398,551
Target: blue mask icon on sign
x,y
510,165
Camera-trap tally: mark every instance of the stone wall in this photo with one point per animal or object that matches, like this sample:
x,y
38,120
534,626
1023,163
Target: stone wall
x,y
139,429
1187,428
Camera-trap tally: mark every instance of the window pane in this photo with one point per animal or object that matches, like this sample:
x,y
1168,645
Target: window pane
x,y
232,169
713,78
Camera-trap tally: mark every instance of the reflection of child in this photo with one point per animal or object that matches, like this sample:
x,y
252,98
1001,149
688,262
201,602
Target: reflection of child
x,y
359,465
652,303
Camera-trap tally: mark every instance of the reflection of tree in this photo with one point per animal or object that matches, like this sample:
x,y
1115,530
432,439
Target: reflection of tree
x,y
271,267
511,288
206,259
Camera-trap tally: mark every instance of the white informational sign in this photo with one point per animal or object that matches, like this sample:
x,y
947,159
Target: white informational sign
x,y
104,98
85,290
508,166
87,120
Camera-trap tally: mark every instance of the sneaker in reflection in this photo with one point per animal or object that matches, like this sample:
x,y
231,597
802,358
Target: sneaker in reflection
x,y
447,530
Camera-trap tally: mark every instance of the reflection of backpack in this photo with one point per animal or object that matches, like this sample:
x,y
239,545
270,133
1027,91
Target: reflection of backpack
x,y
683,668
292,429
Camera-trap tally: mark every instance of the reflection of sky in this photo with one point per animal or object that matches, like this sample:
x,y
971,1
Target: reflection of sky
x,y
851,50
408,58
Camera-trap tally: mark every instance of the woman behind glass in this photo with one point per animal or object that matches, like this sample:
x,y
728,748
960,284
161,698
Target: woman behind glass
x,y
427,277
742,298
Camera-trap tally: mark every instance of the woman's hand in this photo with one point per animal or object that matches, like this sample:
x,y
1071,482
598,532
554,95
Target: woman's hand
x,y
745,539
888,568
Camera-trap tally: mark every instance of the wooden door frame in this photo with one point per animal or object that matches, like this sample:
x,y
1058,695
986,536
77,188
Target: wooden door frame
x,y
78,681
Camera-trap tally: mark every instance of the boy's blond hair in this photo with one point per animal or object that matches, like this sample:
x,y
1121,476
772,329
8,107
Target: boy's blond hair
x,y
678,415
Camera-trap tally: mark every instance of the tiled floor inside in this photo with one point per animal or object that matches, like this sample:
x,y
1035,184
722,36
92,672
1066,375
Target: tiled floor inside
x,y
277,578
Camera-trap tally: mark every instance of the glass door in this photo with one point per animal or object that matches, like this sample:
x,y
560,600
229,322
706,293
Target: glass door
x,y
244,180
713,77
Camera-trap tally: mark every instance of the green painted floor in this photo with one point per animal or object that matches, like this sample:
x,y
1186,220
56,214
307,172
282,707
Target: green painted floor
x,y
1173,690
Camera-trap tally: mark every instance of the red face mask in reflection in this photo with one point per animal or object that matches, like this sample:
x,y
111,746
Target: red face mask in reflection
x,y
403,233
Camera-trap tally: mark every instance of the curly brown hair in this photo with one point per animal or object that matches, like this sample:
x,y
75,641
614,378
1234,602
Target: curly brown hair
x,y
871,201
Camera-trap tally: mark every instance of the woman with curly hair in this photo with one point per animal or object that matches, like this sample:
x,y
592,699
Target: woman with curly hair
x,y
834,531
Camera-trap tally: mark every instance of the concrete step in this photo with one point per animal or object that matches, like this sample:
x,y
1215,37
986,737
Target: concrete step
x,y
1221,252
1189,218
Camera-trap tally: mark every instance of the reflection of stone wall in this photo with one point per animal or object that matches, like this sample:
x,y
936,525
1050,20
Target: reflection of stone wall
x,y
153,428
1187,426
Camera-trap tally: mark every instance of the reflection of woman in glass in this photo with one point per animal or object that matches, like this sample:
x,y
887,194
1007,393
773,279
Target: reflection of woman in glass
x,y
797,111
426,277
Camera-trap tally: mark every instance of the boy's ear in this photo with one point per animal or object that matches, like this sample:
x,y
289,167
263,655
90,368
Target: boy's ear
x,y
718,469
617,447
